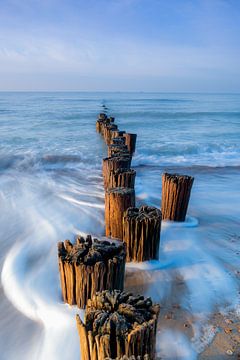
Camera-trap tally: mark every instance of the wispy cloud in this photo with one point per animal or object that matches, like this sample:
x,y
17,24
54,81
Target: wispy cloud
x,y
115,39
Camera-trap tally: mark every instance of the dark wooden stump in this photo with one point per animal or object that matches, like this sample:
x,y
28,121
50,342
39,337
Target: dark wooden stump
x,y
176,190
116,149
102,116
141,233
122,178
117,133
99,125
89,266
119,140
117,201
118,324
131,142
107,132
101,122
114,163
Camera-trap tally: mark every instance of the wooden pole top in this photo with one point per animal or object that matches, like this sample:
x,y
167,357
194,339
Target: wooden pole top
x,y
122,311
90,251
177,177
143,212
120,140
102,116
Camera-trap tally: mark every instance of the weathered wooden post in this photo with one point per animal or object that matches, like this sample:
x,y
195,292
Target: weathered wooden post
x,y
131,142
117,133
113,163
99,125
107,133
89,266
119,140
118,324
121,178
116,149
102,116
117,201
141,233
176,190
102,121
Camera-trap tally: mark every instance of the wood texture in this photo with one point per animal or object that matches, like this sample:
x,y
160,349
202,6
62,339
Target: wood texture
x,y
118,133
117,201
118,325
103,121
176,190
107,132
122,178
99,126
141,233
114,163
131,142
90,266
118,149
118,140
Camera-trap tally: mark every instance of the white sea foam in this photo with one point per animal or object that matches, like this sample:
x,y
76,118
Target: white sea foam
x,y
173,345
190,221
36,294
187,255
30,272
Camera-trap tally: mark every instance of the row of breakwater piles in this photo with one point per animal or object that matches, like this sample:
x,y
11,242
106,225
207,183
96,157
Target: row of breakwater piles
x,y
118,324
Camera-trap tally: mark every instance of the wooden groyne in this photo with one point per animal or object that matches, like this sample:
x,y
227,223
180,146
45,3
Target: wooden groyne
x,y
176,190
130,142
112,164
89,266
117,201
138,228
121,178
141,233
118,324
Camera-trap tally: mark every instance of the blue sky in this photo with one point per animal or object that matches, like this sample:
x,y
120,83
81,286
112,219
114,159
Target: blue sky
x,y
117,45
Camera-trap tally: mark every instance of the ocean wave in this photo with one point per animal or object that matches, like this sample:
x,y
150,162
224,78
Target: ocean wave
x,y
33,162
195,157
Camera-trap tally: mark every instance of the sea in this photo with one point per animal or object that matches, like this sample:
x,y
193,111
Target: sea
x,y
51,189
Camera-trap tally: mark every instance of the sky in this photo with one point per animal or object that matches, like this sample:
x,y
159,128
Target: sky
x,y
120,45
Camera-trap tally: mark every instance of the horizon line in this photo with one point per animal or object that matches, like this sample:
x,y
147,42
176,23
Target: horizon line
x,y
123,91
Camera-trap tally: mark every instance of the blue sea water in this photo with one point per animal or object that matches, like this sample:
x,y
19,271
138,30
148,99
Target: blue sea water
x,y
173,129
51,188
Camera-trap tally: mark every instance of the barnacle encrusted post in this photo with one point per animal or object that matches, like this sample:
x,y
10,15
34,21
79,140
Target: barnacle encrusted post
x,y
89,266
141,233
118,325
117,201
176,190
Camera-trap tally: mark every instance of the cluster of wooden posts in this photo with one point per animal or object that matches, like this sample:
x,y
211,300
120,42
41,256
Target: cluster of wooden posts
x,y
118,325
140,227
